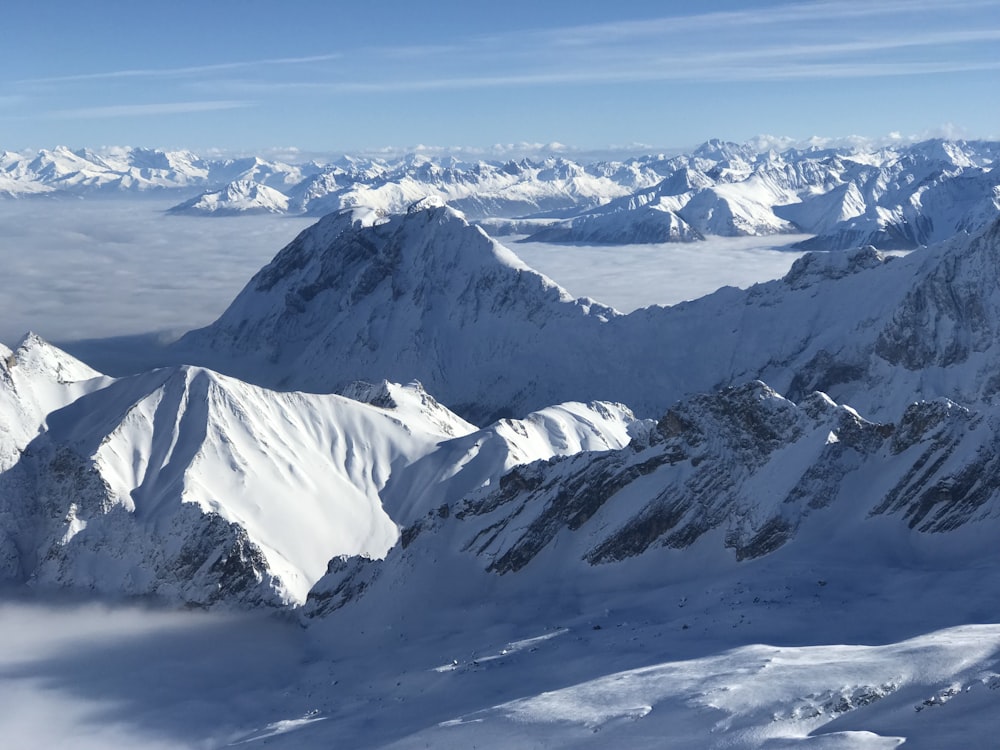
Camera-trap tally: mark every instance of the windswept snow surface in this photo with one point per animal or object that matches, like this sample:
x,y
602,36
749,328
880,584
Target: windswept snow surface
x,y
801,652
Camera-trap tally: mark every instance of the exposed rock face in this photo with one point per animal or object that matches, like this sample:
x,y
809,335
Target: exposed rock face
x,y
742,470
949,314
704,453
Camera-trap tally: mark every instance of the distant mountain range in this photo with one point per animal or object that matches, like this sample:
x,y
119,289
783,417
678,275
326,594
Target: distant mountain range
x,y
895,197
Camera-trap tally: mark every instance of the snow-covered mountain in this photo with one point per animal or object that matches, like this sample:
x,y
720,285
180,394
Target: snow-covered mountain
x,y
893,198
820,471
480,189
132,171
739,473
199,489
185,454
363,296
427,296
667,589
239,197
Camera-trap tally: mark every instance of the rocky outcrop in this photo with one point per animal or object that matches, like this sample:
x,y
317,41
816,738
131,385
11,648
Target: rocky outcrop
x,y
742,472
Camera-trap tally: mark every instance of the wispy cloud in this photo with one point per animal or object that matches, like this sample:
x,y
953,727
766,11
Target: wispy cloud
x,y
785,15
147,110
819,40
191,70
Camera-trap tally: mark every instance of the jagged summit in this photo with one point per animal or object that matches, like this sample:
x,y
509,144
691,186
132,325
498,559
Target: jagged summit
x,y
722,479
425,296
197,488
421,296
239,197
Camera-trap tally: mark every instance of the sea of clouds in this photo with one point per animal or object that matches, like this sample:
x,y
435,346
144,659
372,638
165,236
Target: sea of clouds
x,y
91,269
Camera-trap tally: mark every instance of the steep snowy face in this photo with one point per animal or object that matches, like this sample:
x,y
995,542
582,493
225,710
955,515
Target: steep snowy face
x,y
239,197
198,488
737,475
427,297
192,486
420,296
873,331
36,379
479,459
935,338
708,463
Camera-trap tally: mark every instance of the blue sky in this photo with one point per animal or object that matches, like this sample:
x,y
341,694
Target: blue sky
x,y
348,76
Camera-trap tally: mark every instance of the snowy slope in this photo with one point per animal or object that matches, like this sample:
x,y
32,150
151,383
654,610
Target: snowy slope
x,y
35,380
708,585
197,488
751,570
420,296
744,471
481,458
239,197
426,296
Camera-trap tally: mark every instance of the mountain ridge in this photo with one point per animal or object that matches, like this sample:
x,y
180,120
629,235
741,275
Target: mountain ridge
x,y
894,197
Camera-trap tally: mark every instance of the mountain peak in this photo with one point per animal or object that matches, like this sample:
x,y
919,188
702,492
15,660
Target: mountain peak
x,y
36,355
420,296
